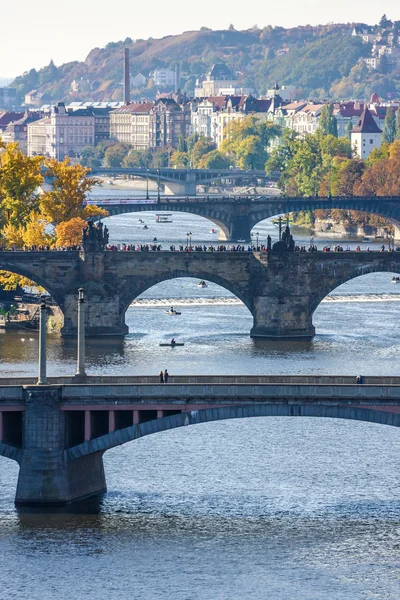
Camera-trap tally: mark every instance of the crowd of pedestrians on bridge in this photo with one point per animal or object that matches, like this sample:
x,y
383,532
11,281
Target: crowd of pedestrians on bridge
x,y
156,247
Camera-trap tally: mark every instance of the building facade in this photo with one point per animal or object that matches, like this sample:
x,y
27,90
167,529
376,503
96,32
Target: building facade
x,y
63,133
130,124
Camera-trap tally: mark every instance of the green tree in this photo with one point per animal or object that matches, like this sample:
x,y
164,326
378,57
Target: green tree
x,y
213,160
398,124
203,146
246,142
349,129
327,124
389,127
114,155
182,146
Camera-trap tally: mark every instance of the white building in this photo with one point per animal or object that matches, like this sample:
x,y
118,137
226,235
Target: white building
x,y
163,77
306,120
366,135
63,133
204,116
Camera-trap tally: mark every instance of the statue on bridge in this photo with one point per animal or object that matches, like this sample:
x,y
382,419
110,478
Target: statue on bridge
x,y
286,243
95,237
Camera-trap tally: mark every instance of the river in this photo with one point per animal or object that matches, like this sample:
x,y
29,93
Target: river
x,y
305,509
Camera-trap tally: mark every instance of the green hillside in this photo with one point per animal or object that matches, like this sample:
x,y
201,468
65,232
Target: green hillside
x,y
321,61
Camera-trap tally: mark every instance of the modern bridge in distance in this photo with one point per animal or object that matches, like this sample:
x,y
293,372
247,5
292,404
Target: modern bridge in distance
x,y
58,433
185,181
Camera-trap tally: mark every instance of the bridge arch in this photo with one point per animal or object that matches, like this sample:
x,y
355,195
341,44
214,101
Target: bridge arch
x,y
329,285
121,436
380,206
139,288
216,217
24,271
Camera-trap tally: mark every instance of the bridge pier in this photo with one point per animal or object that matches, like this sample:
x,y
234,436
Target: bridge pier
x,y
46,477
103,315
238,229
180,188
281,318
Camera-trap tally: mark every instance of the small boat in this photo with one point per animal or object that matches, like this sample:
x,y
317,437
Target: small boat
x,y
109,182
241,241
366,239
214,230
202,284
395,279
172,312
140,221
145,227
173,345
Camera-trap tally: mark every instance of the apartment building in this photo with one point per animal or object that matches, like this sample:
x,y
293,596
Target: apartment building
x,y
63,133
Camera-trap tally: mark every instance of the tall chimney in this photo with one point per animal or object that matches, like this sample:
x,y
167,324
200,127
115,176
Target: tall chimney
x,y
177,78
127,94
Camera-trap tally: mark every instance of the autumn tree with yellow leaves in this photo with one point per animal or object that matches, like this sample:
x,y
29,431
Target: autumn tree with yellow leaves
x,y
20,177
70,186
26,216
69,233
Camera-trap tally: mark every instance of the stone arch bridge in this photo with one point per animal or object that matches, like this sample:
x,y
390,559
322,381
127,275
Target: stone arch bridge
x,y
58,433
281,290
236,216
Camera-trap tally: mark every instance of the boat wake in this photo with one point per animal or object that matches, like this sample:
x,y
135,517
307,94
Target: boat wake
x,y
221,301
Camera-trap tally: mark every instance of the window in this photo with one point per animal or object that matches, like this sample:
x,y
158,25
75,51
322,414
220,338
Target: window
x,y
371,141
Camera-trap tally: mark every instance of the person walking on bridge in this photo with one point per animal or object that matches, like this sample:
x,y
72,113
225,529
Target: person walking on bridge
x,y
161,376
166,376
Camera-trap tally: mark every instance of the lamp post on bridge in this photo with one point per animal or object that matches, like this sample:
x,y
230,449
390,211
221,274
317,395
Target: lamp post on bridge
x,y
147,179
80,370
42,379
158,184
189,240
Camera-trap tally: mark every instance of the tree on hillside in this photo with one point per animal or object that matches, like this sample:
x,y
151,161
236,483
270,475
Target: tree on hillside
x,y
70,186
20,176
389,127
327,124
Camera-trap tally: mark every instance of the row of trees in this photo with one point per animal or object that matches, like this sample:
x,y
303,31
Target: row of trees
x,y
29,218
245,146
323,165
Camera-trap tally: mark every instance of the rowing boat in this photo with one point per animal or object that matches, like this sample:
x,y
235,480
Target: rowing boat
x,y
173,345
172,312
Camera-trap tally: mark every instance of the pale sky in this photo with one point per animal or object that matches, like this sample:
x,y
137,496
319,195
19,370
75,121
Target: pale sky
x,y
33,33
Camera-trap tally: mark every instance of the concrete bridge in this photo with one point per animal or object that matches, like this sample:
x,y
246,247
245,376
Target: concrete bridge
x,y
237,216
281,290
58,433
184,181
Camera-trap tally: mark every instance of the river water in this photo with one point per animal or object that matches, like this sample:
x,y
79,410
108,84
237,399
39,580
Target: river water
x,y
305,509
